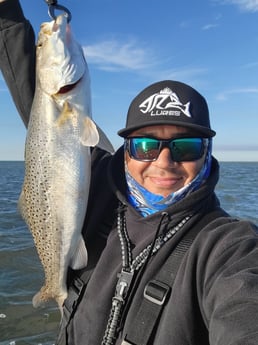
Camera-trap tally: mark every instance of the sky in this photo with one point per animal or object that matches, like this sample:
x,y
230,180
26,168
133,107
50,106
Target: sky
x,y
211,45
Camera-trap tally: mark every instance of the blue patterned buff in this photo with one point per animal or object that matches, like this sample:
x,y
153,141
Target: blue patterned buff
x,y
148,203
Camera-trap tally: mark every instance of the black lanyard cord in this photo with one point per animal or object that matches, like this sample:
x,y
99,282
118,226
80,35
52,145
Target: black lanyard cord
x,y
128,281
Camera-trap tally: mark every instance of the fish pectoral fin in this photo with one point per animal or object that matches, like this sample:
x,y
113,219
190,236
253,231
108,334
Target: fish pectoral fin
x,y
80,258
89,134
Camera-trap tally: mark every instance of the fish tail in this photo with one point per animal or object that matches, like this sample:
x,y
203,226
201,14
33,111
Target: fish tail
x,y
40,299
43,296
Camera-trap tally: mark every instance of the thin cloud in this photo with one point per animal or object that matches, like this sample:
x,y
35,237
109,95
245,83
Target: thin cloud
x,y
209,26
214,23
251,65
245,5
187,74
113,56
224,95
184,24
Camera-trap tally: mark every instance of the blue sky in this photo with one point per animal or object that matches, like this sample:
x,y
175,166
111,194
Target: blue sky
x,y
210,44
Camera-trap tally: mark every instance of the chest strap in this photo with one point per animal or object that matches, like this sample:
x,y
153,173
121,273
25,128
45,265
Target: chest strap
x,y
157,291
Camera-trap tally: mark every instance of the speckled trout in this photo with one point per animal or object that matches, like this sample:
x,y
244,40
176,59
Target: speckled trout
x,y
60,133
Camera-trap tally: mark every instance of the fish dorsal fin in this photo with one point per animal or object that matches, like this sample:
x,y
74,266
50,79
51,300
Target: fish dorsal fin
x,y
80,258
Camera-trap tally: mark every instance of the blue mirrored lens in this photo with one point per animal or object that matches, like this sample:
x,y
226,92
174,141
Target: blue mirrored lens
x,y
144,148
186,149
181,149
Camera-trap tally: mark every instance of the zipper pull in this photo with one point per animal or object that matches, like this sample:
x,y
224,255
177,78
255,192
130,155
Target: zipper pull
x,y
123,285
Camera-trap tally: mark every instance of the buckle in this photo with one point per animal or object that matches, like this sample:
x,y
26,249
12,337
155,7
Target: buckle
x,y
74,292
156,292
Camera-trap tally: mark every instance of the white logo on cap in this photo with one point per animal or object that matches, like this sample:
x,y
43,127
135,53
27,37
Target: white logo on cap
x,y
162,102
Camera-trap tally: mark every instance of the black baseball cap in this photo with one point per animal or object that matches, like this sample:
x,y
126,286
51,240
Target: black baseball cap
x,y
169,103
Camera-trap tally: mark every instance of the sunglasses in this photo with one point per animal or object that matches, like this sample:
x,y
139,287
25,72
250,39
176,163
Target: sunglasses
x,y
181,149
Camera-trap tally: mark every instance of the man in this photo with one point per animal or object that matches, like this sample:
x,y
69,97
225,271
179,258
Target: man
x,y
144,201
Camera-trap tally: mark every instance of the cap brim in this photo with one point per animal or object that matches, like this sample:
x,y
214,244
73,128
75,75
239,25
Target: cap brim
x,y
204,131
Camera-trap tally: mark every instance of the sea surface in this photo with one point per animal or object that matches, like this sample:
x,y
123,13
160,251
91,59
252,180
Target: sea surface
x,y
21,274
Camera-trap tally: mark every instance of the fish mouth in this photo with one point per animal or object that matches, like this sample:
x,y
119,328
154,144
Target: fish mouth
x,y
67,88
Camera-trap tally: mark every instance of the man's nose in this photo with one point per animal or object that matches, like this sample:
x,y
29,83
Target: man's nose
x,y
164,158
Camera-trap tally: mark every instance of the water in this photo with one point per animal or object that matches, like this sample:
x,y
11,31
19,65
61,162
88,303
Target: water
x,y
238,189
21,274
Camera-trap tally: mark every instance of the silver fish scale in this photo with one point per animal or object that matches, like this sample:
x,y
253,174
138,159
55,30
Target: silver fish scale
x,y
57,157
48,159
38,214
